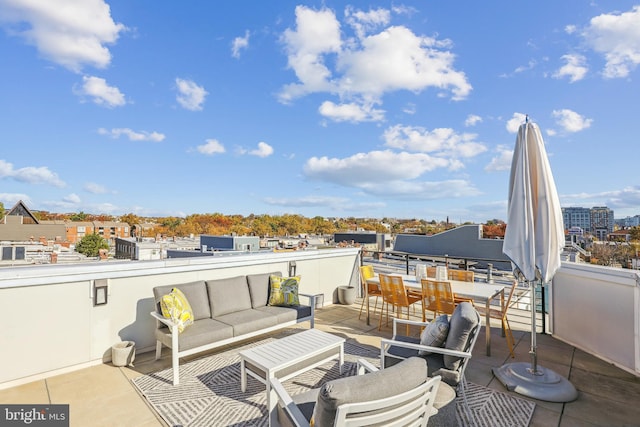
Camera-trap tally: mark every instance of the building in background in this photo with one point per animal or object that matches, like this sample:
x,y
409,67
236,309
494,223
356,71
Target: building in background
x,y
368,240
601,222
597,221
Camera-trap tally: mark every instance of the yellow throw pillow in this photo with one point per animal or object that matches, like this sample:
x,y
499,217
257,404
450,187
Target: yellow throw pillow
x,y
284,291
175,306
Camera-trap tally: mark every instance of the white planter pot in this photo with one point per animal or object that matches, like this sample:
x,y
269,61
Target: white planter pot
x,y
347,294
123,353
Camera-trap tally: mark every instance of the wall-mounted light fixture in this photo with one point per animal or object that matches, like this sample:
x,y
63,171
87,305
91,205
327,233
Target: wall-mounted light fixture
x,y
292,268
100,291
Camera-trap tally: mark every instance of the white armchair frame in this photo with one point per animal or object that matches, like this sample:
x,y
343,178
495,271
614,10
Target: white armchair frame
x,y
404,409
385,344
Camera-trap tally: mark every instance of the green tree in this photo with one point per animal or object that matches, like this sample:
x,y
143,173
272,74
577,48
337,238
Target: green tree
x,y
91,244
1,210
81,216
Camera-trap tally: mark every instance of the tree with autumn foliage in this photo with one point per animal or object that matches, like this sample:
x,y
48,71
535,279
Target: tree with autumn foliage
x,y
494,229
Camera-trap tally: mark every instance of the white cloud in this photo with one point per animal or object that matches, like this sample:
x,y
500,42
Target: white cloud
x,y
212,146
101,92
617,37
428,190
72,198
502,161
263,150
514,123
410,108
522,68
92,187
327,202
443,142
317,34
350,112
397,59
628,197
30,174
571,121
365,22
574,68
472,120
133,135
361,70
372,167
9,199
72,33
190,95
388,173
240,43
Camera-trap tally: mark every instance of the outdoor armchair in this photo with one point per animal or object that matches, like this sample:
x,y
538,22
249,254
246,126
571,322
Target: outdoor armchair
x,y
398,396
450,351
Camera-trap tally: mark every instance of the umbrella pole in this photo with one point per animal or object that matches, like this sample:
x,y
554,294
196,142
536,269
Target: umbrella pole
x,y
533,352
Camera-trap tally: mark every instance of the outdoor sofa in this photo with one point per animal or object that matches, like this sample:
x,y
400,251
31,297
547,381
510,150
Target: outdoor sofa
x,y
224,311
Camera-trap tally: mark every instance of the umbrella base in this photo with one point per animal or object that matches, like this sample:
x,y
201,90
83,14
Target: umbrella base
x,y
544,384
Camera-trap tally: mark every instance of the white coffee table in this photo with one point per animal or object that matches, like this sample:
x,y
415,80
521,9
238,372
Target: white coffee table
x,y
288,357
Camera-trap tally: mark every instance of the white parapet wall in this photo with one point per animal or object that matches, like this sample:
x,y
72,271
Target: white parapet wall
x,y
51,326
597,309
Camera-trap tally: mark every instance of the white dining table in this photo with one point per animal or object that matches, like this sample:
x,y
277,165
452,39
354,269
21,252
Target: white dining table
x,y
478,291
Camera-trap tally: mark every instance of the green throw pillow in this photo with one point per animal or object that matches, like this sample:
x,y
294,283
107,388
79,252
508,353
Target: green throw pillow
x,y
175,306
284,291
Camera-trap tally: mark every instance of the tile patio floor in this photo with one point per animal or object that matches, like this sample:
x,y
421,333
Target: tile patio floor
x,y
104,396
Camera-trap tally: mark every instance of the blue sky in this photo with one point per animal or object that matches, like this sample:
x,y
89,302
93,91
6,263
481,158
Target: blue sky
x,y
382,109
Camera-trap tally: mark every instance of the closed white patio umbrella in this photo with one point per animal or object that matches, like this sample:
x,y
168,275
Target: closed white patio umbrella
x,y
533,241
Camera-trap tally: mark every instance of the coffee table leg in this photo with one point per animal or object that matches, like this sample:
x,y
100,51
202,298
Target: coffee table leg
x,y
243,376
272,401
341,357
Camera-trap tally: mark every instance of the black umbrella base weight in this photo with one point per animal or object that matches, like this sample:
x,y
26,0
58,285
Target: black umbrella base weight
x,y
545,384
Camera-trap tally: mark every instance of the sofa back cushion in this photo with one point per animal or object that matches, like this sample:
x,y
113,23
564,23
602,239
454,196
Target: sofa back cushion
x,y
228,295
464,321
259,288
196,294
397,379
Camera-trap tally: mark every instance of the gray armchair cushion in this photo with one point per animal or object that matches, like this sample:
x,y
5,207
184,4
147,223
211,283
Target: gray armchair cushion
x,y
196,293
397,379
435,361
435,334
463,320
228,295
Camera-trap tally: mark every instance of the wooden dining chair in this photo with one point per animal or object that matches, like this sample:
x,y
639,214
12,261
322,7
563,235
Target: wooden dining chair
x,y
502,315
431,272
445,301
429,298
373,289
461,275
394,293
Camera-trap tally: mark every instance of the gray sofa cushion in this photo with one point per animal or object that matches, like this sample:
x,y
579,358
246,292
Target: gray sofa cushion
x,y
247,321
202,332
196,293
228,295
287,314
404,376
259,288
463,320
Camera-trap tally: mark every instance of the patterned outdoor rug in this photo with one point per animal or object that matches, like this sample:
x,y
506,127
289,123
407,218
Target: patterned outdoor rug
x,y
209,393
